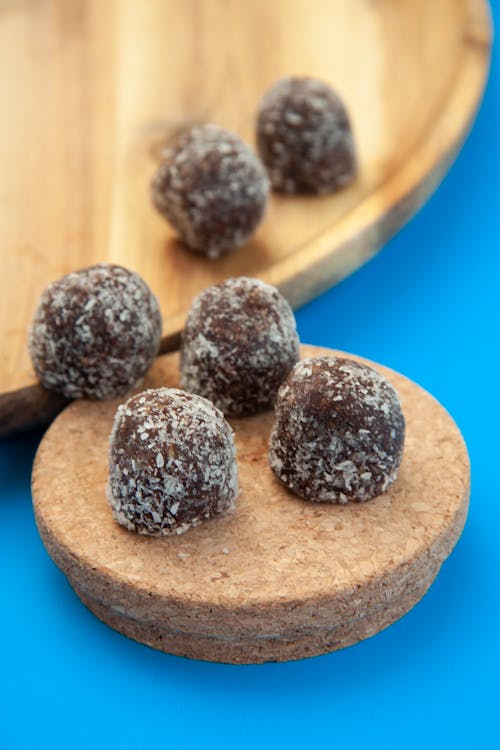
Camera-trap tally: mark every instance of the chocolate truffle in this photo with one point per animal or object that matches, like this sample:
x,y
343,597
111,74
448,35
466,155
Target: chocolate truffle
x,y
95,332
238,345
339,431
212,188
304,137
172,462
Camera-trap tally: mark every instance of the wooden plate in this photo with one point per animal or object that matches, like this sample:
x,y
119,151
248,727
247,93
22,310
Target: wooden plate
x,y
100,86
280,578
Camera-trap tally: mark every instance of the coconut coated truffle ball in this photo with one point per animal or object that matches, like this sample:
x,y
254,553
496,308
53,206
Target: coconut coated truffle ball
x,y
95,332
172,462
304,137
238,345
212,188
339,431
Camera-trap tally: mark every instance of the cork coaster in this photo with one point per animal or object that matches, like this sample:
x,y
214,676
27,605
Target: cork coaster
x,y
278,579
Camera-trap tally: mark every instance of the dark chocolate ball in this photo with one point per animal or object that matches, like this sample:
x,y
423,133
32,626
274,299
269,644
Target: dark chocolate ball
x,y
95,332
212,188
304,137
339,431
238,345
172,462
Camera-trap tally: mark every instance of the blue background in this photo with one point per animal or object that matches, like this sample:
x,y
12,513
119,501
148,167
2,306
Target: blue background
x,y
427,306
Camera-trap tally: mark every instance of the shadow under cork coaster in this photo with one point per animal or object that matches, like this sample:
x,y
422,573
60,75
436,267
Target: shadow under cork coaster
x,y
280,578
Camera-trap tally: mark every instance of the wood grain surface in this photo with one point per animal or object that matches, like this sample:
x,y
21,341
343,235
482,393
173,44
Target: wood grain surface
x,y
280,578
92,90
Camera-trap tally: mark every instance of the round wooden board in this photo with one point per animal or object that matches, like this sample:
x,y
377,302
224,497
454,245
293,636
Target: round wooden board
x,y
105,84
280,578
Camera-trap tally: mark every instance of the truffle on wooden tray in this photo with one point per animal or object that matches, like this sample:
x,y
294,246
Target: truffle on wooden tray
x,y
212,188
339,431
172,462
95,332
238,345
304,137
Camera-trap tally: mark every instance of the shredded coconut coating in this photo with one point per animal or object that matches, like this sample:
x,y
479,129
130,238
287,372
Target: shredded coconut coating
x,y
238,345
172,462
304,137
339,431
212,188
95,332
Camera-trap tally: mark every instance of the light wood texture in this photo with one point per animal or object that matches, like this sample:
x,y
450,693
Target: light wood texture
x,y
91,91
280,578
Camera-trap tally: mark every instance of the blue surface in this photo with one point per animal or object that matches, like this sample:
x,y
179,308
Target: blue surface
x,y
426,306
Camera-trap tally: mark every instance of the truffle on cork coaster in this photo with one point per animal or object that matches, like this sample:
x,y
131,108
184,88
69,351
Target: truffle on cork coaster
x,y
279,578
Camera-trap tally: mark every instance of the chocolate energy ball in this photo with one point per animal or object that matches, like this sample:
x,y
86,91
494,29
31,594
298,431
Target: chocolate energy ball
x,y
304,137
212,188
95,332
339,431
172,462
238,345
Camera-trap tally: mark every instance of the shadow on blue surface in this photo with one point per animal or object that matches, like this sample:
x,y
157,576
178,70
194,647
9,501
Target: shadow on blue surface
x,y
16,457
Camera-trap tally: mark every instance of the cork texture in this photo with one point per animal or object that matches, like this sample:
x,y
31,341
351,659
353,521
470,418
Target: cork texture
x,y
279,578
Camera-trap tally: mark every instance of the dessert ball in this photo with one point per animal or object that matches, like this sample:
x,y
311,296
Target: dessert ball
x,y
95,332
238,345
304,137
212,188
172,462
339,431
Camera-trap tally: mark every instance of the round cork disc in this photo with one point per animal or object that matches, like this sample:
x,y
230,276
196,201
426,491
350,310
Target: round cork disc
x,y
280,578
